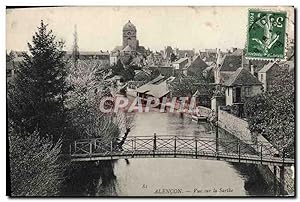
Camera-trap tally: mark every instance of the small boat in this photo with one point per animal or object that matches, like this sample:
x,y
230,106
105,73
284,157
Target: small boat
x,y
202,118
199,118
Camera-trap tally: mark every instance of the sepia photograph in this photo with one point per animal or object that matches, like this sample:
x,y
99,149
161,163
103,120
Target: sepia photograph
x,y
150,101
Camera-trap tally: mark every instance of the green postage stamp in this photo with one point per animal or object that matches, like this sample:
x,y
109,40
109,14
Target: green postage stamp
x,y
266,37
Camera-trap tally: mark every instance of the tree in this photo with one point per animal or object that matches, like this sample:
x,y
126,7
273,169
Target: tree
x,y
10,56
75,51
36,100
85,117
272,114
118,67
126,72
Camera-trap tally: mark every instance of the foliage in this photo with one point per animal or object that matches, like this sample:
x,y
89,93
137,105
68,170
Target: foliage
x,y
36,118
272,114
50,100
127,73
9,57
37,96
35,166
87,89
75,48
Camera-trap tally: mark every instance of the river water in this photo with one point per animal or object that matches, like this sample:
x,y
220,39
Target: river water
x,y
181,177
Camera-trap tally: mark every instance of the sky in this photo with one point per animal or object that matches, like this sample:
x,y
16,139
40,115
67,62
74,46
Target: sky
x,y
100,28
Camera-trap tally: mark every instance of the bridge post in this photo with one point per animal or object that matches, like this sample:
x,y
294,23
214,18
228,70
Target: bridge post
x,y
154,144
275,180
239,150
283,156
175,146
111,148
281,174
217,142
134,144
196,147
217,148
261,153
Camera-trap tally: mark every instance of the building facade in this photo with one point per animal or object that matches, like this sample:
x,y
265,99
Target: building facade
x,y
130,45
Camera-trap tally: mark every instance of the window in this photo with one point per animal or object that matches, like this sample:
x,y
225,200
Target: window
x,y
247,91
261,77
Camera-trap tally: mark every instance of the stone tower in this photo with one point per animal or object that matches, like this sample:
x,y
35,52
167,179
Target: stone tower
x,y
129,36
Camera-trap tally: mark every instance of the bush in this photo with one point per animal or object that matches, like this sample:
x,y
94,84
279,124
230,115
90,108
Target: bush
x,y
35,165
272,114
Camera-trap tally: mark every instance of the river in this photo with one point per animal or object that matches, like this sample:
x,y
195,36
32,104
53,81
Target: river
x,y
181,177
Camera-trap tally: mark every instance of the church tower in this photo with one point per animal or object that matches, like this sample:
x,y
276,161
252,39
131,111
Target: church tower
x,y
129,36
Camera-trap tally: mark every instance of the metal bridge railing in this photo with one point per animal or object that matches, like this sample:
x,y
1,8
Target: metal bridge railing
x,y
177,145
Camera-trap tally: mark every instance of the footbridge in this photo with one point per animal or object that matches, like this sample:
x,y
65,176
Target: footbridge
x,y
179,147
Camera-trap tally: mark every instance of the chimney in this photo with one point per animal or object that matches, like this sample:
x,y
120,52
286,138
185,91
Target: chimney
x,y
252,69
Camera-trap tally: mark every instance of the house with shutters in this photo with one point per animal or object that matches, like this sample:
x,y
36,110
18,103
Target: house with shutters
x,y
235,81
240,86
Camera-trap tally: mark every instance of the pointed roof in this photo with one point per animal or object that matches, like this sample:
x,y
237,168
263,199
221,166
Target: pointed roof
x,y
242,77
127,49
266,67
238,51
129,26
197,62
231,63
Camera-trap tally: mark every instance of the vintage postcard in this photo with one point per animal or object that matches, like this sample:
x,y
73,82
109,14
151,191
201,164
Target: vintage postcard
x,y
148,101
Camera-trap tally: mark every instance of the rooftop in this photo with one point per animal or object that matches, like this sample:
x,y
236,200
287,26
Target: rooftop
x,y
155,90
94,53
242,77
267,67
231,63
180,60
129,26
127,48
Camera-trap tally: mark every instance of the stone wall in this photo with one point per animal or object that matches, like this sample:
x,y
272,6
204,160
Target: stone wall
x,y
234,125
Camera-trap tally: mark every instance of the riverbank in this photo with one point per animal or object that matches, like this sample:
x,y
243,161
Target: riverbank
x,y
239,128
